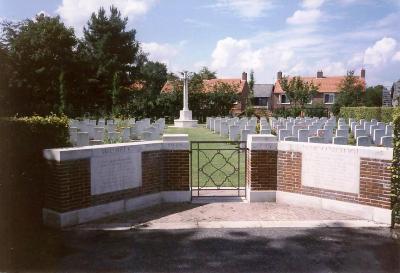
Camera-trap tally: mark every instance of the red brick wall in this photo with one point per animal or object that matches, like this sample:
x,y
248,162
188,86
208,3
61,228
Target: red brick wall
x,y
262,170
69,186
374,181
176,171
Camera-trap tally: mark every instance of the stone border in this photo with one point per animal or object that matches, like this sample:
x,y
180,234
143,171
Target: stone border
x,y
79,216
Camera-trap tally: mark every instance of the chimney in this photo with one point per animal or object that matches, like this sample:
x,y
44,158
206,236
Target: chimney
x,y
320,74
279,75
244,76
363,73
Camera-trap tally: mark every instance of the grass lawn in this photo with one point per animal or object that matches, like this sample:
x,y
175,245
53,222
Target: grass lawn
x,y
214,165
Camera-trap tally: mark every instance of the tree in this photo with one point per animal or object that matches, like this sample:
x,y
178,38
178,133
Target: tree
x,y
154,75
298,91
206,74
111,49
373,96
40,50
350,92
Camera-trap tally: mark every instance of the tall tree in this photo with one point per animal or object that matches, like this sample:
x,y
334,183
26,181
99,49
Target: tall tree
x,y
111,49
207,74
298,91
373,96
350,92
155,75
39,50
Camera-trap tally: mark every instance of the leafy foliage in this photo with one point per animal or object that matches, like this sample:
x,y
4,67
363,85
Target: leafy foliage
x,y
298,91
350,93
380,113
39,51
395,190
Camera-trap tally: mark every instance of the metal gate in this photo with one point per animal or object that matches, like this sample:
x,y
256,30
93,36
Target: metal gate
x,y
218,168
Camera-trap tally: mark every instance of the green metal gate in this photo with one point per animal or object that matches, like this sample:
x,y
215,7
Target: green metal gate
x,y
218,168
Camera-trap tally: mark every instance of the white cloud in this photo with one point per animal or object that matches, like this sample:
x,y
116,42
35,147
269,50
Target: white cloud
x,y
380,52
76,13
312,4
301,17
165,53
248,9
396,57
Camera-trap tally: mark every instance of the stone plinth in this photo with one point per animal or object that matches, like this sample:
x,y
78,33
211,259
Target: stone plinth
x,y
185,120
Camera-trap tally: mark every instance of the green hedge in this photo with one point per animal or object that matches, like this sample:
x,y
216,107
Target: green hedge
x,y
384,114
23,173
396,168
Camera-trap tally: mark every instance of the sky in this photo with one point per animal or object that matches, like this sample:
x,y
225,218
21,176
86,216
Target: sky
x,y
267,36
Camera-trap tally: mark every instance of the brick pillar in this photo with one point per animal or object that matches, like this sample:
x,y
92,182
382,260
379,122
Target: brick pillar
x,y
262,168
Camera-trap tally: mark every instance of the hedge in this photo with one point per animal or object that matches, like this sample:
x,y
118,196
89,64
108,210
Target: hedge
x,y
396,168
23,175
384,114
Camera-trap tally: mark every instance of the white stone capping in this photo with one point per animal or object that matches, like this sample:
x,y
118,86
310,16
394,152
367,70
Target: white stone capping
x,y
171,142
379,153
262,142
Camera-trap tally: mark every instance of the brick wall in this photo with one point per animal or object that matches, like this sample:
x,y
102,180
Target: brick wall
x,y
69,185
375,181
262,170
176,171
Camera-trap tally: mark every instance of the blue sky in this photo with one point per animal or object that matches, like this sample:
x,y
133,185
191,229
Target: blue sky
x,y
231,36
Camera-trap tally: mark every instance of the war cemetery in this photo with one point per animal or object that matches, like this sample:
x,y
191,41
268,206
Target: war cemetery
x,y
113,162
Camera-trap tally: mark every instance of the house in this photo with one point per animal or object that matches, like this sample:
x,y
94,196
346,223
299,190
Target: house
x,y
262,96
240,86
386,97
395,93
328,89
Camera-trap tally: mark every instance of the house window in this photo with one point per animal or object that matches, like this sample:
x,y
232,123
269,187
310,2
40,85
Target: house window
x,y
329,98
283,99
261,101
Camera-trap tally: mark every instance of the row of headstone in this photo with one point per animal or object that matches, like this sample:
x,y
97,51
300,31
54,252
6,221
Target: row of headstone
x,y
92,132
237,128
323,130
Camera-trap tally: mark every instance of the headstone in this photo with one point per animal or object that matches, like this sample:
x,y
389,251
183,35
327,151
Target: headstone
x,y
359,133
217,125
342,133
283,133
340,140
291,138
363,141
95,142
387,141
326,134
316,139
73,135
111,127
251,128
378,134
303,135
126,134
99,133
224,129
147,136
234,133
372,128
113,137
83,139
389,130
265,131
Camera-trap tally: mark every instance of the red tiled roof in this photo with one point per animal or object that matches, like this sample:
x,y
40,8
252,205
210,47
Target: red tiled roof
x,y
326,84
209,85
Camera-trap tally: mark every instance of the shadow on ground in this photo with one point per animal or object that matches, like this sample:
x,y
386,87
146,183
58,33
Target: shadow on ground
x,y
216,250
